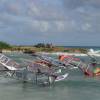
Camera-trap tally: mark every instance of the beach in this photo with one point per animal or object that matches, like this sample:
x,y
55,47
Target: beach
x,y
72,54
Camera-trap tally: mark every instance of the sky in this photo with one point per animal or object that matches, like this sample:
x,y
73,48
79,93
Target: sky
x,y
61,22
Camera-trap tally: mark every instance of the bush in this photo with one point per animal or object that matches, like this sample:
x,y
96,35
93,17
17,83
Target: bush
x,y
39,45
42,45
4,45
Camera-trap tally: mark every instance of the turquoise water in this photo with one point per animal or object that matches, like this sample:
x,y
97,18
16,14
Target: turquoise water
x,y
88,47
75,87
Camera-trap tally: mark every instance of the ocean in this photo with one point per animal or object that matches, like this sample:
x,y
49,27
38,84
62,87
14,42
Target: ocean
x,y
75,87
87,47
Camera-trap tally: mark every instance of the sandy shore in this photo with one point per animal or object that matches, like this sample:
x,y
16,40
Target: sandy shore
x,y
74,54
58,53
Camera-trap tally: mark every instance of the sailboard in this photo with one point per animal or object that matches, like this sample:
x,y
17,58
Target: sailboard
x,y
61,77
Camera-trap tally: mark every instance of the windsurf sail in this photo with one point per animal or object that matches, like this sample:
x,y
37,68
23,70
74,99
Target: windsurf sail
x,y
8,63
70,61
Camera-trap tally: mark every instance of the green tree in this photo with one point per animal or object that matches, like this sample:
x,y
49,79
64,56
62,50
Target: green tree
x,y
4,45
39,45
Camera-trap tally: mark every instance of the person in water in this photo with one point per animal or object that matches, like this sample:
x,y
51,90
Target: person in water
x,y
38,71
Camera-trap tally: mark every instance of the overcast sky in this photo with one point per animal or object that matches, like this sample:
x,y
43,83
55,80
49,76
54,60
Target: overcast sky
x,y
62,22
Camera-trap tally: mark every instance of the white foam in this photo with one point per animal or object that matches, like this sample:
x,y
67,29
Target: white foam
x,y
72,54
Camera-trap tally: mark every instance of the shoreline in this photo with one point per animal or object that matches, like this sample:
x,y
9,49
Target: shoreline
x,y
56,53
71,54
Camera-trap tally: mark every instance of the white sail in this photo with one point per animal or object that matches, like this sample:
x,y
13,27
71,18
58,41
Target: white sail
x,y
61,77
8,63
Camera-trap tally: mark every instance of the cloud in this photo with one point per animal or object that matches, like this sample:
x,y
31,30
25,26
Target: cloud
x,y
73,4
49,20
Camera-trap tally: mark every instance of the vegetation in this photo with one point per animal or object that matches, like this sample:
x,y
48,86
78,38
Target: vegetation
x,y
76,50
4,45
40,47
